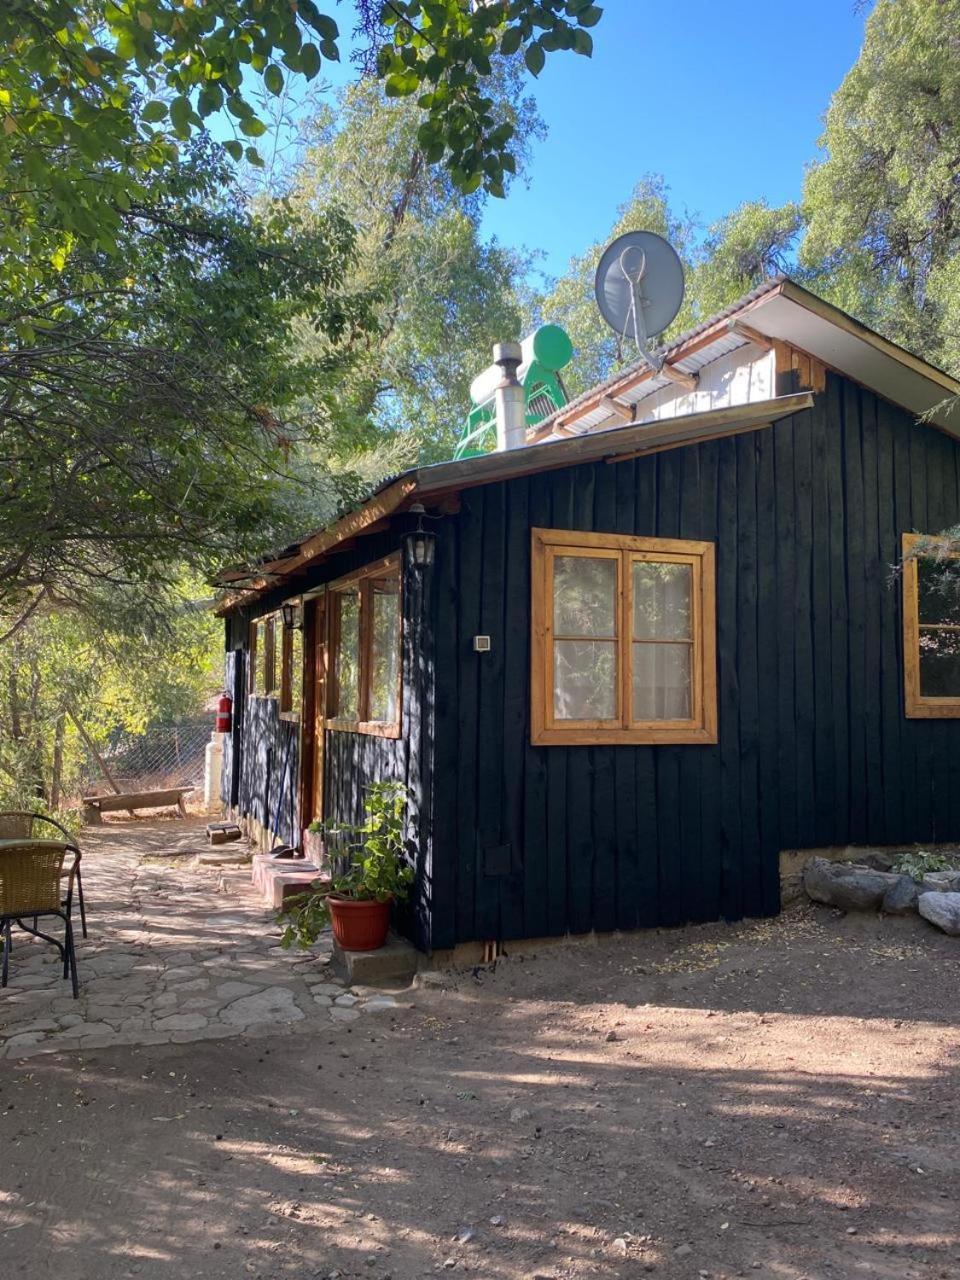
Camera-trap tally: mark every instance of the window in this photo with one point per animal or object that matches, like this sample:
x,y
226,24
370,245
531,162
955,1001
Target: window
x,y
262,658
931,628
364,646
291,666
624,646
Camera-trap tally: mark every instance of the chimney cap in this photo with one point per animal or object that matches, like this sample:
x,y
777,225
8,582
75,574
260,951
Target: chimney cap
x,y
507,353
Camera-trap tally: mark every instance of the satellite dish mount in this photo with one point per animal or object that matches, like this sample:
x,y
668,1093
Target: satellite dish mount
x,y
639,287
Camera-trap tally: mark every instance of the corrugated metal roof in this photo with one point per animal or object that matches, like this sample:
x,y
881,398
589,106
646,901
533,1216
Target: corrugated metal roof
x,y
689,364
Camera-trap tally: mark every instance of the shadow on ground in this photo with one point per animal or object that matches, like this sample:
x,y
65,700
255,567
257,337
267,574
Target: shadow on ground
x,y
773,1100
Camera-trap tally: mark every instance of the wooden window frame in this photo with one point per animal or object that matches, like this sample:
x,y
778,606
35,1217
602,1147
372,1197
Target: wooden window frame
x,y
917,706
287,710
362,579
271,688
253,648
701,727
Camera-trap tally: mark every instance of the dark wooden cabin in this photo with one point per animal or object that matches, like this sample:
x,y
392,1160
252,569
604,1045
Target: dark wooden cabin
x,y
651,650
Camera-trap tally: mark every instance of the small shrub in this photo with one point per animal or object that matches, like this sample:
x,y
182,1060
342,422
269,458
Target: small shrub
x,y
918,864
376,865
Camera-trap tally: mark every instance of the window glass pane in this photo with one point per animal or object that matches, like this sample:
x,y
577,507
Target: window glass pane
x,y
585,679
270,657
661,600
296,671
347,657
384,649
939,589
661,682
939,664
259,659
584,596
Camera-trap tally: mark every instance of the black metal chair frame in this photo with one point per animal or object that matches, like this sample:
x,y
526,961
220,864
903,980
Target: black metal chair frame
x,y
67,950
74,849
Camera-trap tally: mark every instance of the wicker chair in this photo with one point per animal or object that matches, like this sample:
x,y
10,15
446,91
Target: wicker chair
x,y
21,824
30,885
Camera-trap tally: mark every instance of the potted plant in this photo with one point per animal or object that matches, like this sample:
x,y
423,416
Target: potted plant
x,y
356,901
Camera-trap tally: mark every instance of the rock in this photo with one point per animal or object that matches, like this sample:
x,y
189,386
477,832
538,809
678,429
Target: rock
x,y
276,1004
518,1115
619,1245
347,1000
941,882
497,1220
941,909
429,978
233,990
846,885
345,1015
181,1022
378,1003
466,1234
683,1251
901,897
611,1037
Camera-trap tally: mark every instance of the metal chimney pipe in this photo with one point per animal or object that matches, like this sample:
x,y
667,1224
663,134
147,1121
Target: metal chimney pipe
x,y
510,401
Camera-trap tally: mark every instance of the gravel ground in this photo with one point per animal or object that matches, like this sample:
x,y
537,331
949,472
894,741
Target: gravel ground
x,y
775,1099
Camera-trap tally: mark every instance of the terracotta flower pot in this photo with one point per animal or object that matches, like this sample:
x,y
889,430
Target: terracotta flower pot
x,y
359,925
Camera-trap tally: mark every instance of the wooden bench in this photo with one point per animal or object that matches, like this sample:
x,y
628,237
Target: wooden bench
x,y
95,806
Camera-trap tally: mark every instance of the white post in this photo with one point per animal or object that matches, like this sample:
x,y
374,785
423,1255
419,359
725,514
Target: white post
x,y
212,766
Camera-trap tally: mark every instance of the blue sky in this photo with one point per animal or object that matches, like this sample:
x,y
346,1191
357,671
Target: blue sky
x,y
725,100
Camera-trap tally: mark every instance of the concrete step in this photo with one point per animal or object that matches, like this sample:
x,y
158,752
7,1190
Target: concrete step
x,y
392,965
279,878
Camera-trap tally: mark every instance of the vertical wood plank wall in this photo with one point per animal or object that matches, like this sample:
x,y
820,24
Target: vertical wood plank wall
x,y
352,760
813,748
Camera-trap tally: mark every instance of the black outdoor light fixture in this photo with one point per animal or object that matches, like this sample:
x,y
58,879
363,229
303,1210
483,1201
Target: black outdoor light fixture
x,y
420,542
291,614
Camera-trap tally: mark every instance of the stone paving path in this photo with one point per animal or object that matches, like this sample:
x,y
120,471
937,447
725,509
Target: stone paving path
x,y
177,952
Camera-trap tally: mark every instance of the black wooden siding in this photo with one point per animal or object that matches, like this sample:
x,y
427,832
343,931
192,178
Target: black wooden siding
x,y
813,750
352,760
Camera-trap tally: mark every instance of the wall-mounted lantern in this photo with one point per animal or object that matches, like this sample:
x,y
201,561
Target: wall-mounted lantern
x,y
292,615
420,543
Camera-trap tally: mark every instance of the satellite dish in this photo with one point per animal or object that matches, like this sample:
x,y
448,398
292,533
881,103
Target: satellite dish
x,y
639,288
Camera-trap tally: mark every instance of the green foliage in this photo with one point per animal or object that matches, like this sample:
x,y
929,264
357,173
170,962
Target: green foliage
x,y
151,411
118,673
376,867
443,295
97,95
883,208
920,863
741,250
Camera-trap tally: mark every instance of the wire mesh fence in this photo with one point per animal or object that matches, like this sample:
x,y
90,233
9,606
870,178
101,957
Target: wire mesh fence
x,y
169,755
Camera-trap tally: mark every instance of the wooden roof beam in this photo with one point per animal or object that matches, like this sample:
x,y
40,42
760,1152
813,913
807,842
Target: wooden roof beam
x,y
689,381
751,335
617,408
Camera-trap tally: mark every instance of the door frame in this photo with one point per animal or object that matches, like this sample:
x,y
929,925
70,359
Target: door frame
x,y
314,708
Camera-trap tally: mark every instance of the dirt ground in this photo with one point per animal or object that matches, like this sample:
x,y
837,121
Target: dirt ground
x,y
774,1100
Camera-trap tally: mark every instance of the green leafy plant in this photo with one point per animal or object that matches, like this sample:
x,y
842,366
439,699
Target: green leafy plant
x,y
917,865
374,861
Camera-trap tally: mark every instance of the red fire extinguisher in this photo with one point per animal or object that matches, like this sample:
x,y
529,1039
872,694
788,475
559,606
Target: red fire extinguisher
x,y
224,713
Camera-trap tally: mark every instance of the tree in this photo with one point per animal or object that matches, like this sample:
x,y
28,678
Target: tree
x,y
739,251
884,205
444,295
147,396
115,679
96,95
